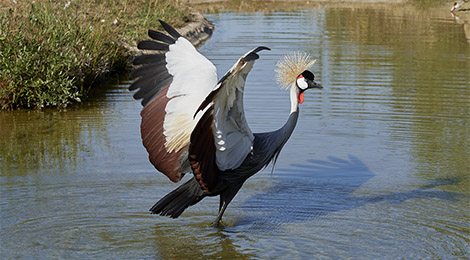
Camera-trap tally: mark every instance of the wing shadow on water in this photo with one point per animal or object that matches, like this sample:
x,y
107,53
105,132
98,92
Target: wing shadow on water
x,y
314,189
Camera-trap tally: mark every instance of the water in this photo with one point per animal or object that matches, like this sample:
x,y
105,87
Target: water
x,y
378,166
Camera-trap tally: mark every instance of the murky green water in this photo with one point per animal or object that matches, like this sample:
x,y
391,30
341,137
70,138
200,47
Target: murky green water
x,y
378,166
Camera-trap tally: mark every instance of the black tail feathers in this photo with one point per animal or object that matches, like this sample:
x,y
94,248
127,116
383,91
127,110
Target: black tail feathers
x,y
175,202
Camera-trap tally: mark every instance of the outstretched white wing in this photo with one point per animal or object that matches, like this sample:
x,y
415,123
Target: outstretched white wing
x,y
193,78
172,83
223,125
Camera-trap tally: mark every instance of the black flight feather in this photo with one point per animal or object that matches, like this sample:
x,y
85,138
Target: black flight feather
x,y
148,58
161,37
155,90
170,30
146,84
152,68
152,45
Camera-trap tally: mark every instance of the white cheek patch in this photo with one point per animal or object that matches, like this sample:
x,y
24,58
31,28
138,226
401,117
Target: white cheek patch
x,y
301,83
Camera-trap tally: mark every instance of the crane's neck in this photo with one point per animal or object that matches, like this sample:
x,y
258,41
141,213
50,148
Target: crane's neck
x,y
283,134
267,146
289,126
294,99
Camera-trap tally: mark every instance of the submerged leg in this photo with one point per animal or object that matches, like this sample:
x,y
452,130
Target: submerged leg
x,y
222,206
225,198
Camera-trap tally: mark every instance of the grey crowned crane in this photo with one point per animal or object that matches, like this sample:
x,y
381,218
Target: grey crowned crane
x,y
193,123
457,5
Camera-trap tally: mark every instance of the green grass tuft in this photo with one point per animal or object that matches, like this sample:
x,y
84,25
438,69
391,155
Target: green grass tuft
x,y
53,52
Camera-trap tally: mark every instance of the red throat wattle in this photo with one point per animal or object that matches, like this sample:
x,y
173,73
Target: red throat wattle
x,y
300,98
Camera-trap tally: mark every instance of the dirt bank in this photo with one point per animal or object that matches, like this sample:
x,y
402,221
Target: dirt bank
x,y
197,30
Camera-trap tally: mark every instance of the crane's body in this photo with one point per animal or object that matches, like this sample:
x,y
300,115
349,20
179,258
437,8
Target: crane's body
x,y
229,182
193,123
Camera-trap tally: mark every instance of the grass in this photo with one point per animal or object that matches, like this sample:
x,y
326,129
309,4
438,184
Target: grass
x,y
53,52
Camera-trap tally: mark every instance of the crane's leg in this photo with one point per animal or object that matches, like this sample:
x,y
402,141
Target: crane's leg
x,y
222,206
225,198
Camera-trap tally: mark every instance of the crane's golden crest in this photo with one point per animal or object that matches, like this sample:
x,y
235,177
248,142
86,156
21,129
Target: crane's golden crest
x,y
291,66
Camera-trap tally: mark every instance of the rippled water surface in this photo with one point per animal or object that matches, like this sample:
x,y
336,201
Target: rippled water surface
x,y
378,166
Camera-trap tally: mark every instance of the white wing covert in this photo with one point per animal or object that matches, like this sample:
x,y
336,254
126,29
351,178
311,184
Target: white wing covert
x,y
193,78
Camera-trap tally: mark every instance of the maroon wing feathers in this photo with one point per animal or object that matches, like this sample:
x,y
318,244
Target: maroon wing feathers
x,y
153,139
202,152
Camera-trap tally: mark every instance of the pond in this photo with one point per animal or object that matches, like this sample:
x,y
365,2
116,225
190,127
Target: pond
x,y
377,167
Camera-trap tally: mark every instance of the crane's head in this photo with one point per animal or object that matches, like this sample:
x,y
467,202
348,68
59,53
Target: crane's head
x,y
292,72
305,81
454,6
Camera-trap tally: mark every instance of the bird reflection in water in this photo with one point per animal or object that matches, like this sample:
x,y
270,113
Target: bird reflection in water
x,y
464,23
318,187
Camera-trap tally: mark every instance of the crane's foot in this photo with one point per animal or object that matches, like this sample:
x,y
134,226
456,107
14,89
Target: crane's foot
x,y
217,224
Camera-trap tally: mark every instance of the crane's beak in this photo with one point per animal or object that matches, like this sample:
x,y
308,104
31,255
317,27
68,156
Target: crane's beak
x,y
310,84
313,84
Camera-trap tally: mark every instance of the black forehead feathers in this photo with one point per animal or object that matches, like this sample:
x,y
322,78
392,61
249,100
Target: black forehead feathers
x,y
308,75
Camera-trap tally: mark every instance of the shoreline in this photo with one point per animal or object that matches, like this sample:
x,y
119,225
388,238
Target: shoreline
x,y
198,29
